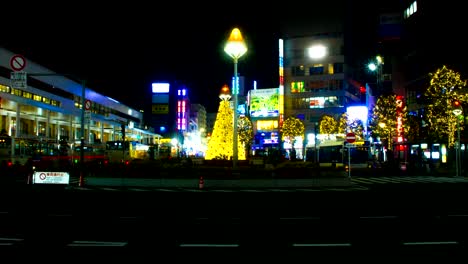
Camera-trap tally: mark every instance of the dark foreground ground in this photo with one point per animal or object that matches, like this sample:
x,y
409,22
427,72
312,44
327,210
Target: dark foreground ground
x,y
394,222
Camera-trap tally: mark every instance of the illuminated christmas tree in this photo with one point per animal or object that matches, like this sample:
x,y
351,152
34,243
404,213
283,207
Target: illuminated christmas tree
x,y
446,86
220,144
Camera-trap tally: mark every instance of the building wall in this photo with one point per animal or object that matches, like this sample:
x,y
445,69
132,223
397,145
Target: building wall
x,y
314,87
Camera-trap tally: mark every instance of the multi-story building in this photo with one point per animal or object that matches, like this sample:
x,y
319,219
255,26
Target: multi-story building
x,y
195,140
316,80
198,118
47,106
415,38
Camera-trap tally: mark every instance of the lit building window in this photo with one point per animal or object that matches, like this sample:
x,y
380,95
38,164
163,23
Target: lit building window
x,y
297,87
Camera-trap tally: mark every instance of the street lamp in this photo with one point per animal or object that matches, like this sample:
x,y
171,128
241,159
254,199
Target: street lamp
x,y
377,67
457,111
235,47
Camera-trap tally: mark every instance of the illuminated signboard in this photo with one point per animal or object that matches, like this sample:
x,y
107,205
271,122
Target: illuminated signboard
x,y
267,138
264,102
358,112
160,87
160,99
322,102
160,109
267,125
51,177
281,80
241,109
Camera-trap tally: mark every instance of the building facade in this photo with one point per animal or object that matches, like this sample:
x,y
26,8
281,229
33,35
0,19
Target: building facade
x,y
48,106
316,79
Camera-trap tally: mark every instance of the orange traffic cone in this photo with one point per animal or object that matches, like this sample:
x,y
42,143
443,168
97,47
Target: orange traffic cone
x,y
201,183
81,180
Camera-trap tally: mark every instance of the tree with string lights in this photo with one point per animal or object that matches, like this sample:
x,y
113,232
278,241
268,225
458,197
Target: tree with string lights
x,y
328,125
292,128
343,126
245,131
445,87
384,120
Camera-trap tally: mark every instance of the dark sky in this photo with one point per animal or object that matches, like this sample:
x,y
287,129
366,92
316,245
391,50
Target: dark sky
x,y
121,48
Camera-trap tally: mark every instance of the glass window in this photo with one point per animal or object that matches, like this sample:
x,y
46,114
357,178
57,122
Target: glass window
x,y
16,92
297,87
315,86
298,70
4,89
54,103
27,95
316,69
338,67
322,102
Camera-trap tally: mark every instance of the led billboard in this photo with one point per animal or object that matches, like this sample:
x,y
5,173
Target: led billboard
x,y
358,112
264,102
160,87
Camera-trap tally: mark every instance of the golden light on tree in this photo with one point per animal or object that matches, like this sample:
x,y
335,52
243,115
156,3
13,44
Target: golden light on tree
x,y
328,125
245,132
445,86
220,145
388,114
343,126
292,127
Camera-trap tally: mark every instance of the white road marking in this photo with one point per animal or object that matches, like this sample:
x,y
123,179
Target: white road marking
x,y
209,245
323,245
97,244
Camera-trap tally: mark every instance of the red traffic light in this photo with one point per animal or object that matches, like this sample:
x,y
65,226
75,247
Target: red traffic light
x,y
362,89
456,103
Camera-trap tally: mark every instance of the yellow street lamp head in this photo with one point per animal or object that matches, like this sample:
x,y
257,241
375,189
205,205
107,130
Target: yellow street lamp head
x,y
379,59
235,46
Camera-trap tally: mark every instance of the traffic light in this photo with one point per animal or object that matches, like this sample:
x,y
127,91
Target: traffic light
x,y
362,89
457,108
123,131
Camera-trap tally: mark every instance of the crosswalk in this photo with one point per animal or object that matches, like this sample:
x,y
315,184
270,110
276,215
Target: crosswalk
x,y
407,179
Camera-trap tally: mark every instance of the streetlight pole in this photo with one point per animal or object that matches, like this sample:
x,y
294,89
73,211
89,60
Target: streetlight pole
x,y
458,149
234,134
235,47
457,111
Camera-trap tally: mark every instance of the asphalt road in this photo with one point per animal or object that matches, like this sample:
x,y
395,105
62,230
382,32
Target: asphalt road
x,y
394,221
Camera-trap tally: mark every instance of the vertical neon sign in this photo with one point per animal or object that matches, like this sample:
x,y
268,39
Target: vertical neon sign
x,y
235,86
179,111
399,123
281,82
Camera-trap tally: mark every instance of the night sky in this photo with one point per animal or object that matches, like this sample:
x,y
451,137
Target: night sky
x,y
120,49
